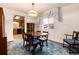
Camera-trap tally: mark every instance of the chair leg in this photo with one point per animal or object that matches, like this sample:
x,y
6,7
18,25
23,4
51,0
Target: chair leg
x,y
63,44
70,49
29,46
41,47
34,48
46,43
42,44
23,43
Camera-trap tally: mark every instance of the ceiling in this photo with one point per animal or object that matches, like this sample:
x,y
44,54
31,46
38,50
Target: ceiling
x,y
39,7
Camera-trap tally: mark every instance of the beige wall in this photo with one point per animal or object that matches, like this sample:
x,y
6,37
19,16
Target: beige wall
x,y
70,22
9,14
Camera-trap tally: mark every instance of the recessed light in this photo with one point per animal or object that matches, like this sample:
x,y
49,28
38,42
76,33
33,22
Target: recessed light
x,y
17,17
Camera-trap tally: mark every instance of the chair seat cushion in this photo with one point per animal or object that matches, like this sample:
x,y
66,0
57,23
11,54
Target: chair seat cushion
x,y
42,38
36,42
71,41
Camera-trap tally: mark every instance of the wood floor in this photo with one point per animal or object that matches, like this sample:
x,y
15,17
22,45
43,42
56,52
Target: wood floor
x,y
17,37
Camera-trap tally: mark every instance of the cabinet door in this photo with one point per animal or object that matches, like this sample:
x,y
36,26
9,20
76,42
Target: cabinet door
x,y
3,40
30,28
1,21
3,46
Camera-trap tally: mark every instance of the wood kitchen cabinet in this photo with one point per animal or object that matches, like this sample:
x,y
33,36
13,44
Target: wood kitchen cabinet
x,y
3,39
31,28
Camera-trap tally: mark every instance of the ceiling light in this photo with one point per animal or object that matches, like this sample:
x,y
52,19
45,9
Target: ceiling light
x,y
32,12
17,17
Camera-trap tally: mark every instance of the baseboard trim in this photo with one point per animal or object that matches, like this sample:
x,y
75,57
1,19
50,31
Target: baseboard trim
x,y
55,42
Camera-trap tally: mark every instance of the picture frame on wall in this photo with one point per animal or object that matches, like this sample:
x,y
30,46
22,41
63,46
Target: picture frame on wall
x,y
60,19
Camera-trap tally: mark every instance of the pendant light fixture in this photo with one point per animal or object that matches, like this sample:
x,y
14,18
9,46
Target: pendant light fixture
x,y
32,12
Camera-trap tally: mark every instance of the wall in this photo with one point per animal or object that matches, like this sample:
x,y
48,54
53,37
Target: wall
x,y
9,13
70,22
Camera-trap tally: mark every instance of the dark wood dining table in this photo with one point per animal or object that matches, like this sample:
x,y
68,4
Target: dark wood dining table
x,y
38,39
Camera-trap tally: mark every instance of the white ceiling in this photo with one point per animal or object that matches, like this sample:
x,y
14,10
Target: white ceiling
x,y
24,7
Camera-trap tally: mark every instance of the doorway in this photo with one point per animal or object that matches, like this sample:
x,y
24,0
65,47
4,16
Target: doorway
x,y
18,26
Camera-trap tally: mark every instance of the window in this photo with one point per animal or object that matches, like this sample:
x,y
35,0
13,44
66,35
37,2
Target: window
x,y
51,20
48,22
45,21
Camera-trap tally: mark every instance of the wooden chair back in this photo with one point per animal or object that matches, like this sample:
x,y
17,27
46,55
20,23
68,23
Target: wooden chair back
x,y
23,35
46,32
75,35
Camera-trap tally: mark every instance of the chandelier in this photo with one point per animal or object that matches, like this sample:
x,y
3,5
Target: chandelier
x,y
32,12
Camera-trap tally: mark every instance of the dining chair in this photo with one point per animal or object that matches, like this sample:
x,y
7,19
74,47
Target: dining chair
x,y
32,42
73,41
24,38
44,38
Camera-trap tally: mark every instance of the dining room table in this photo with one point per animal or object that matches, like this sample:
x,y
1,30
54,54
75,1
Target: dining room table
x,y
37,38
